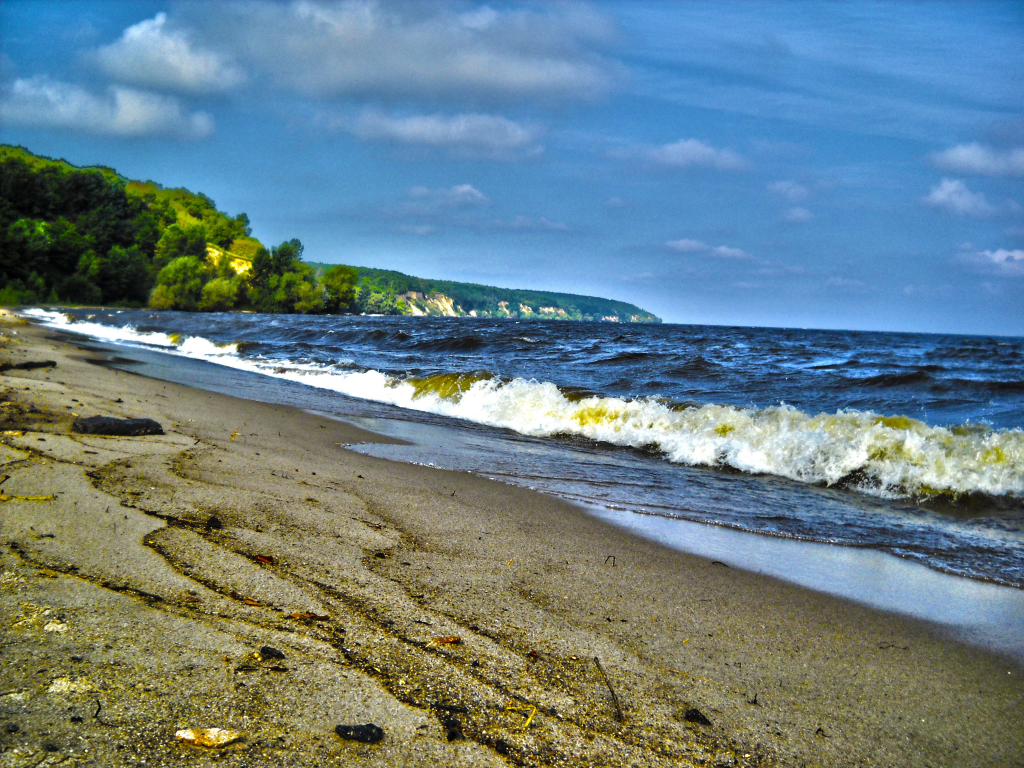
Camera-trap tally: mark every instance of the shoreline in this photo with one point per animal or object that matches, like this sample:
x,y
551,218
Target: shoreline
x,y
985,613
396,556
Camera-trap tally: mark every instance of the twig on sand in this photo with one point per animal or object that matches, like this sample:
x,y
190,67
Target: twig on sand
x,y
618,708
96,714
529,710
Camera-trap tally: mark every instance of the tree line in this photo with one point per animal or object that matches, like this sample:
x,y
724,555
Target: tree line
x,y
85,236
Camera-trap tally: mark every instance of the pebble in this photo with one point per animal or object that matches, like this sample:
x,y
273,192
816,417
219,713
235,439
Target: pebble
x,y
267,652
368,734
694,715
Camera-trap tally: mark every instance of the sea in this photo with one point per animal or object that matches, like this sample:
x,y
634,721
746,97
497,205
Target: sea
x,y
887,468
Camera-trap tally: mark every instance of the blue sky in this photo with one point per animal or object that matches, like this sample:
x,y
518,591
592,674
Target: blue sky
x,y
833,165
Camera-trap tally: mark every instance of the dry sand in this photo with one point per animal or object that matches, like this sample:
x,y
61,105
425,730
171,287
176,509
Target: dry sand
x,y
119,595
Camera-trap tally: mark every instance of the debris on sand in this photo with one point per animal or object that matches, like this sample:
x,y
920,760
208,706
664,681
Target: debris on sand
x,y
212,738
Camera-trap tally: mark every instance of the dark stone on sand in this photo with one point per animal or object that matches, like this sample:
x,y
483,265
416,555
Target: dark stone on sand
x,y
50,747
76,718
108,425
28,365
368,734
453,729
694,715
13,728
214,523
267,652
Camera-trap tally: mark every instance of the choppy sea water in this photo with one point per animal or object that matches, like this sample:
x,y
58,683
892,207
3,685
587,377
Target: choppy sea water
x,y
908,444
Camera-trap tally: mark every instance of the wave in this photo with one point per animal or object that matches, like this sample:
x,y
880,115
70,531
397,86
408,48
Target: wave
x,y
910,378
624,358
887,456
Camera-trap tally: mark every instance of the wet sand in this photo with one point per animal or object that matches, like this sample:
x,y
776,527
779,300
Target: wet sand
x,y
153,569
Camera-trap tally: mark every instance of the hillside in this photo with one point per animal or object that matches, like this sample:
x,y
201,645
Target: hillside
x,y
91,236
422,296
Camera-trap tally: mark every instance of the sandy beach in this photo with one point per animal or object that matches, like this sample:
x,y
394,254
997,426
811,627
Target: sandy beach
x,y
142,576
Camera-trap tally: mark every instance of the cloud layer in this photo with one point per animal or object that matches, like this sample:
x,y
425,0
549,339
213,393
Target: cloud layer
x,y
953,195
1002,261
125,112
470,133
150,55
687,153
977,159
696,246
422,51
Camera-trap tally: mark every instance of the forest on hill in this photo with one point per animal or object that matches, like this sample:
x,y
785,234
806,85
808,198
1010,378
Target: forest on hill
x,y
71,235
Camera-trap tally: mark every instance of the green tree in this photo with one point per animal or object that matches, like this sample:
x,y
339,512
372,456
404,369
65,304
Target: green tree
x,y
79,289
180,285
121,275
339,284
177,242
220,294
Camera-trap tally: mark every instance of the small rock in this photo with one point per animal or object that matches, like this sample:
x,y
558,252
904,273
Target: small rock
x,y
453,729
694,715
76,718
267,652
13,728
208,737
368,734
214,523
108,425
50,747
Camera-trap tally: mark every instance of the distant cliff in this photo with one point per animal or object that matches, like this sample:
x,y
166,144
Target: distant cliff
x,y
390,292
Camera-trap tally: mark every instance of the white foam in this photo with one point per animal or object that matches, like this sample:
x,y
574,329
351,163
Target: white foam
x,y
889,457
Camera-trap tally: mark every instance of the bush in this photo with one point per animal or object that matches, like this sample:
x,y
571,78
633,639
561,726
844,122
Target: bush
x,y
180,285
220,294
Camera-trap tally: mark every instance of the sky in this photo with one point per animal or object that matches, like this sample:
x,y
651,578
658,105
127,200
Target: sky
x,y
818,165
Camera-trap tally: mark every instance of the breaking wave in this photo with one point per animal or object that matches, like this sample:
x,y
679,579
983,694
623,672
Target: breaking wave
x,y
886,456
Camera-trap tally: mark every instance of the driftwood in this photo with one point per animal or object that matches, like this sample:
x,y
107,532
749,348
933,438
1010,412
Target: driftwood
x,y
107,425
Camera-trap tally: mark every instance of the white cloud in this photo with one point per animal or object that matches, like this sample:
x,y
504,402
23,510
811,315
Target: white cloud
x,y
687,153
472,133
696,246
797,215
1003,262
416,229
844,283
687,246
790,190
954,196
150,55
459,196
526,223
978,159
421,50
45,103
553,226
